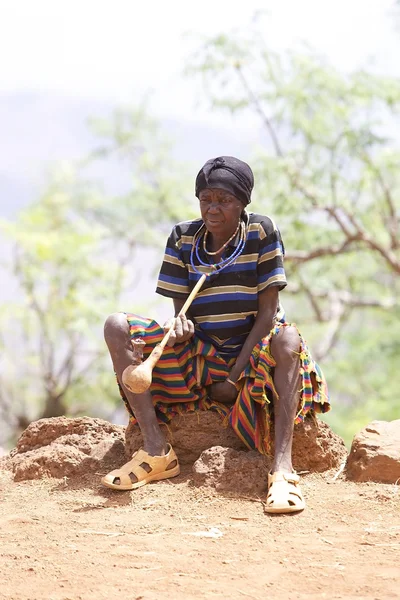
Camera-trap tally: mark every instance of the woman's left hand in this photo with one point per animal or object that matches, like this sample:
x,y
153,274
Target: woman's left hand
x,y
223,392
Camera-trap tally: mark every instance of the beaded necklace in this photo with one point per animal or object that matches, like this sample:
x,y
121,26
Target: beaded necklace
x,y
223,246
223,264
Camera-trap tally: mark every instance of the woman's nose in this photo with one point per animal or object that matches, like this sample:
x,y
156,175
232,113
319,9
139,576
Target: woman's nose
x,y
214,207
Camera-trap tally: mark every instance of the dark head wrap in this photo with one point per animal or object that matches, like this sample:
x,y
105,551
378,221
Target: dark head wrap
x,y
229,174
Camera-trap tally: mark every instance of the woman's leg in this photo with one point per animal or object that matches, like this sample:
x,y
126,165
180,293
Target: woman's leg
x,y
285,348
116,334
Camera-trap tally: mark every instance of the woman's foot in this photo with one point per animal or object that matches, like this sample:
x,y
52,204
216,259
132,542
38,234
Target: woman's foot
x,y
143,468
284,493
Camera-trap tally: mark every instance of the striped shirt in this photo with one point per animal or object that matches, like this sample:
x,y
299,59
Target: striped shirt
x,y
225,309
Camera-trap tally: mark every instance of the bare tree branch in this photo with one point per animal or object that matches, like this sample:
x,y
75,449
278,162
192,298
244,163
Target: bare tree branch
x,y
339,314
299,256
257,105
312,299
352,230
364,236
393,221
347,298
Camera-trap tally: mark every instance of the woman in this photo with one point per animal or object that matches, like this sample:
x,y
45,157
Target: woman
x,y
234,352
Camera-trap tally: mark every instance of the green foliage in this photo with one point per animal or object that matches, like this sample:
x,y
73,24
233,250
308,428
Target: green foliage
x,y
74,263
64,290
363,373
156,196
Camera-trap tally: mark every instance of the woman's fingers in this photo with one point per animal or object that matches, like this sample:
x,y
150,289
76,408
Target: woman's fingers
x,y
183,330
179,328
172,337
187,328
191,328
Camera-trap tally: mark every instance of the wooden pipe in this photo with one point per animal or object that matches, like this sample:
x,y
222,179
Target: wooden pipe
x,y
137,378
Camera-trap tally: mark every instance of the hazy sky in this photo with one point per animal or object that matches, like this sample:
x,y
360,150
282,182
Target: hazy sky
x,y
111,49
63,61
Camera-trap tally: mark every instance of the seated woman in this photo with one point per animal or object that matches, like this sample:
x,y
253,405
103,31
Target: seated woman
x,y
234,352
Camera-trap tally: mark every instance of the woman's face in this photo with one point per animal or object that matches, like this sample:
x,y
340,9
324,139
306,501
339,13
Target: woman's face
x,y
220,211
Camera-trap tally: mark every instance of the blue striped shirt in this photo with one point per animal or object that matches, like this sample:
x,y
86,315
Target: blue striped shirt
x,y
225,309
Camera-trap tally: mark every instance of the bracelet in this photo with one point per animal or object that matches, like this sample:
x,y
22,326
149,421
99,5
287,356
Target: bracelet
x,y
230,381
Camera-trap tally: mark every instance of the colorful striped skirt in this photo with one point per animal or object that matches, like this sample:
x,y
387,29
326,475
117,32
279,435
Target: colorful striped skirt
x,y
183,373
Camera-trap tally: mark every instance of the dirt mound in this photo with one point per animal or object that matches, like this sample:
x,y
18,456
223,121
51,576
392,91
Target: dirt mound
x,y
61,447
375,453
229,470
315,446
190,434
5,463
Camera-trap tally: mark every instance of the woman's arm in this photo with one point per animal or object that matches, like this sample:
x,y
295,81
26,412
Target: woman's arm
x,y
267,308
178,303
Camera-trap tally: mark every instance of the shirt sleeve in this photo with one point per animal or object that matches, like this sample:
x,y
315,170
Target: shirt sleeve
x,y
173,280
270,269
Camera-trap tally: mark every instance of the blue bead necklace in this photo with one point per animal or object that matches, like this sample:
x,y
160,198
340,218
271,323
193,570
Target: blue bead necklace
x,y
223,264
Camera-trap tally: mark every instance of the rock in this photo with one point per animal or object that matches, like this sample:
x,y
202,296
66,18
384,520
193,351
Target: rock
x,y
63,447
190,434
231,470
315,446
375,453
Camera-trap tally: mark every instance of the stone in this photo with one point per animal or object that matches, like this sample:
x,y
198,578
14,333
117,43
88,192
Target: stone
x,y
64,447
315,446
229,470
375,453
189,434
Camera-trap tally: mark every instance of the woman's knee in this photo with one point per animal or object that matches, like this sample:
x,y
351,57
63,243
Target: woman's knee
x,y
115,326
285,344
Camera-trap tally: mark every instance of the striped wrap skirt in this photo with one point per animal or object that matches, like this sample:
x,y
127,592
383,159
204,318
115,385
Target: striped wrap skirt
x,y
184,372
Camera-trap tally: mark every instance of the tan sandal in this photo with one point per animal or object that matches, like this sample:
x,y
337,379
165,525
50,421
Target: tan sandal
x,y
158,467
284,494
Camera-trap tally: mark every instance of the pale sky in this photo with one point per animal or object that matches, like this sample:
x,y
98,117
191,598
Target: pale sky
x,y
113,49
62,61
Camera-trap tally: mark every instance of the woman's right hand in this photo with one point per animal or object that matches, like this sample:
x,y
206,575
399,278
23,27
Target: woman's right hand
x,y
183,330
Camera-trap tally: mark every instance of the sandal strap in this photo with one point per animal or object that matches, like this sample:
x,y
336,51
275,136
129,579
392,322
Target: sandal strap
x,y
282,476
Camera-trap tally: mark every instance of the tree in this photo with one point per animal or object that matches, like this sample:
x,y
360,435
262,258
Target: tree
x,y
328,172
64,290
74,262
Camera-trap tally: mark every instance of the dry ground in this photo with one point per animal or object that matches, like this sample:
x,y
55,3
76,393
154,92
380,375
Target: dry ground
x,y
74,540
